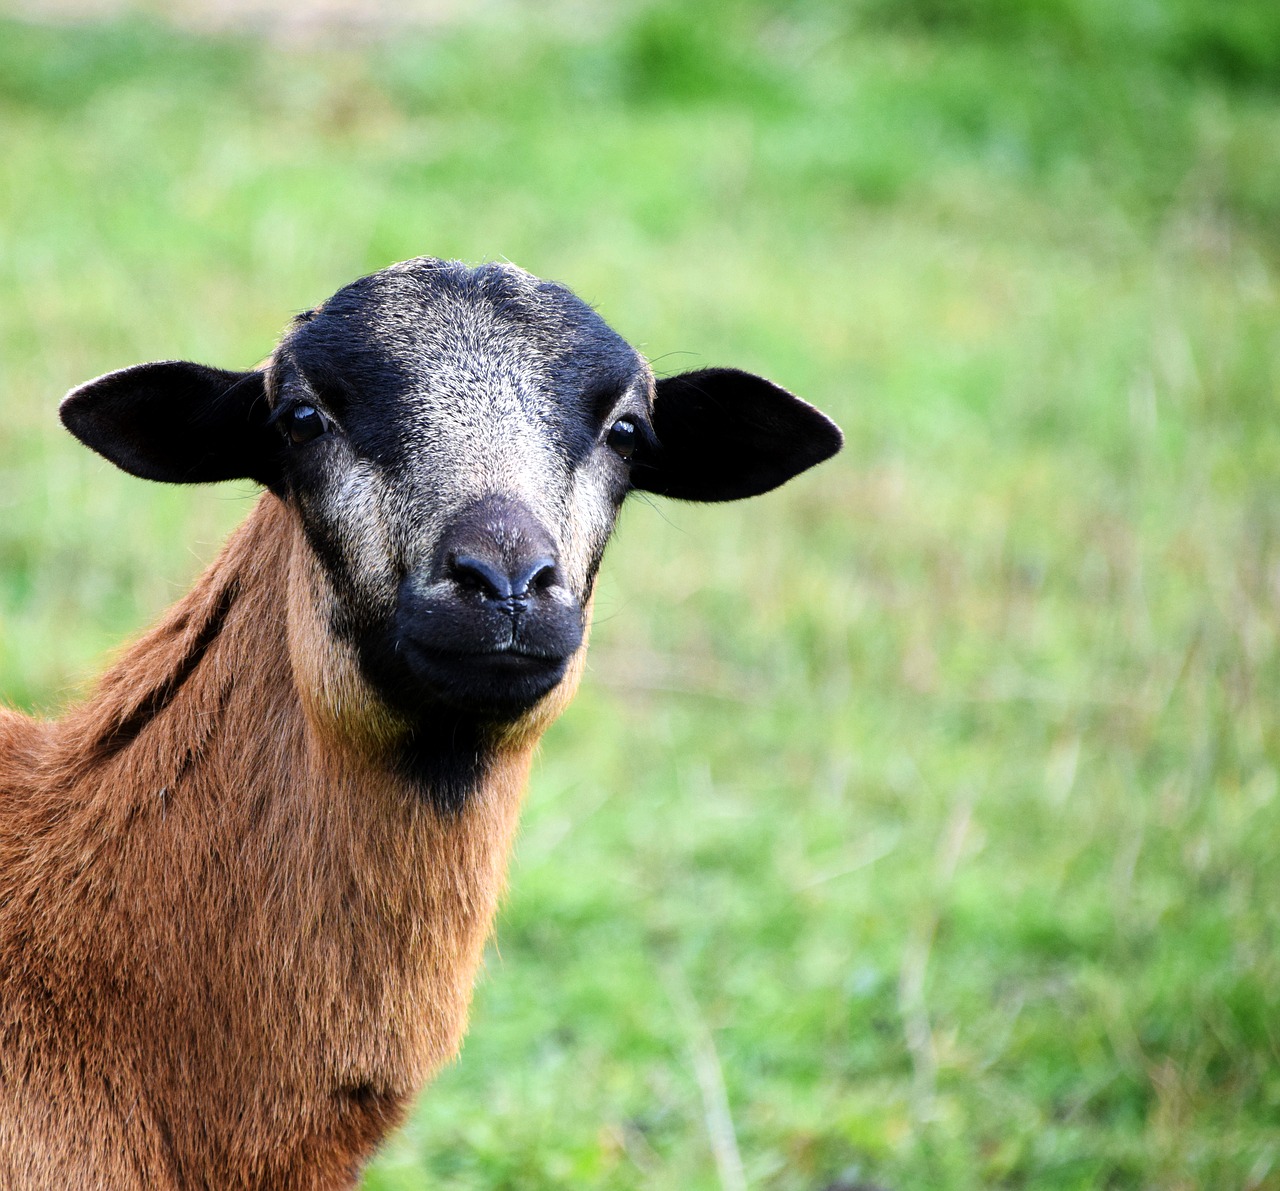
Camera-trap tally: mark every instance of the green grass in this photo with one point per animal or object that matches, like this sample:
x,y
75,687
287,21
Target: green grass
x,y
933,801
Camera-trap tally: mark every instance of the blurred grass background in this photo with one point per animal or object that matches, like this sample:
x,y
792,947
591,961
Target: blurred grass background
x,y
916,825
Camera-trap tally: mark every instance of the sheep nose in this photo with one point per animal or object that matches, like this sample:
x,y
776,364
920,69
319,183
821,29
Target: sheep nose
x,y
504,582
498,555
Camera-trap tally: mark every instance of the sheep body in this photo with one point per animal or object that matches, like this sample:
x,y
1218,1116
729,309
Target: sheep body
x,y
257,1005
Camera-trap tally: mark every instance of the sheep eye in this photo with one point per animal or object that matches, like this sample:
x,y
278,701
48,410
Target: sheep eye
x,y
623,438
305,423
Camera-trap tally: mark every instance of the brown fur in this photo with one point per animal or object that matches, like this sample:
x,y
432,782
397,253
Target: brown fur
x,y
233,941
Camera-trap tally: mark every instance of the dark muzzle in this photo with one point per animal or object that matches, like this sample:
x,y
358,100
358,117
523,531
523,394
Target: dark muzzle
x,y
490,627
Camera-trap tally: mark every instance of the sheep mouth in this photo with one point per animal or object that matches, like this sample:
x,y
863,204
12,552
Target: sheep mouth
x,y
495,683
437,653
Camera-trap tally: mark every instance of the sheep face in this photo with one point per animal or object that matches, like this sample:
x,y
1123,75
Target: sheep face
x,y
456,444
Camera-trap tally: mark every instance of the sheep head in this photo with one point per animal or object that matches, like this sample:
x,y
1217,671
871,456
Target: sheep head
x,y
455,444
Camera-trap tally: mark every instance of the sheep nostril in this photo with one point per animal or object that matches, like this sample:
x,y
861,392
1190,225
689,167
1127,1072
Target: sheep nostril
x,y
536,577
478,575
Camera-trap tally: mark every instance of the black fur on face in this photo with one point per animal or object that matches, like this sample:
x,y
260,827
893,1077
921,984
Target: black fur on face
x,y
457,443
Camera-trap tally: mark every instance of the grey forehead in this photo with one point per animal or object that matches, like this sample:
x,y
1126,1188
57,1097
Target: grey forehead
x,y
393,329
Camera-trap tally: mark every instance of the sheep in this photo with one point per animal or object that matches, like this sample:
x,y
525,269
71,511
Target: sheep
x,y
245,886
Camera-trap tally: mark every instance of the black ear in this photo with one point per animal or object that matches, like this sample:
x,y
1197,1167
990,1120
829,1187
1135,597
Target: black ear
x,y
725,434
177,422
